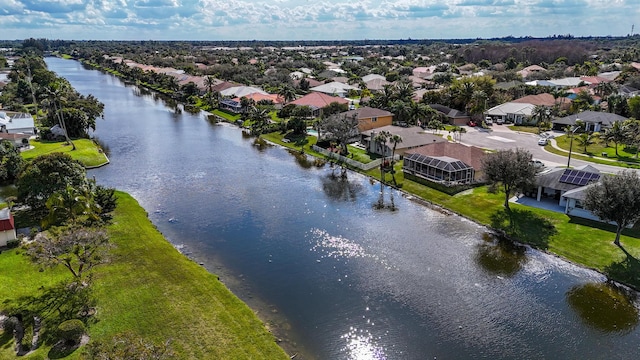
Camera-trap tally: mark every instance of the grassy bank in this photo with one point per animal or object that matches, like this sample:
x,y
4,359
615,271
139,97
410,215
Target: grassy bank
x,y
87,152
153,291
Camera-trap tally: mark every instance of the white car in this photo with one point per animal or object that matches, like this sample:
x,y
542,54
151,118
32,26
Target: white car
x,y
542,141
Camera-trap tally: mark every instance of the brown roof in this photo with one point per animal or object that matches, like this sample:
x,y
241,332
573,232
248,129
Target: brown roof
x,y
412,137
13,136
545,99
469,155
367,112
223,86
277,99
318,100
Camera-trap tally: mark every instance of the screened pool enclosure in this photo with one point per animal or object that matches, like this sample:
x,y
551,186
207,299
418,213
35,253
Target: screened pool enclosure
x,y
438,168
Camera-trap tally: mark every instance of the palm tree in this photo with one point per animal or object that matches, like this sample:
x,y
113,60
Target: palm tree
x,y
70,205
56,95
632,131
616,134
395,140
287,93
260,120
209,81
541,114
401,111
585,140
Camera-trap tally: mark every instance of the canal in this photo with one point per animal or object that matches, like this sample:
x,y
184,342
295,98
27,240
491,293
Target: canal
x,y
334,276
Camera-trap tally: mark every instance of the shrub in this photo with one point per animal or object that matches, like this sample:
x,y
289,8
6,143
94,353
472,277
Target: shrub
x,y
71,331
13,243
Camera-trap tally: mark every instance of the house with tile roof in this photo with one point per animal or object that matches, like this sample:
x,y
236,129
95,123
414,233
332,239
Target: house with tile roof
x,y
370,118
7,227
317,100
529,70
412,137
334,88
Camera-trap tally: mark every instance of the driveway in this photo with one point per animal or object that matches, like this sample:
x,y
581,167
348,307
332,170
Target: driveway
x,y
500,137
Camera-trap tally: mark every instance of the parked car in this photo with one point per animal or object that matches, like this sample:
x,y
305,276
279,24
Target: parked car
x,y
499,121
472,123
543,141
537,164
488,120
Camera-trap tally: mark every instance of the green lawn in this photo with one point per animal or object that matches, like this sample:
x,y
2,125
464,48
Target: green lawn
x,y
527,129
153,291
87,152
597,149
226,115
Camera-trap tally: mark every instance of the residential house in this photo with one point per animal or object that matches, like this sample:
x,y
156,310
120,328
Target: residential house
x,y
370,118
241,91
544,99
412,137
334,88
7,227
317,100
445,162
15,122
593,120
529,70
517,113
19,140
566,187
454,117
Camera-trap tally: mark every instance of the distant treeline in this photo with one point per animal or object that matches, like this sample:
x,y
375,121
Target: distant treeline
x,y
48,45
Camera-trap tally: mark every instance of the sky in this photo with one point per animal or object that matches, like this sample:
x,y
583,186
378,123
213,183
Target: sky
x,y
313,19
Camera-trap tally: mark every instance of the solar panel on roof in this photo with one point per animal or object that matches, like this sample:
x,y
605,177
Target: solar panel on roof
x,y
578,177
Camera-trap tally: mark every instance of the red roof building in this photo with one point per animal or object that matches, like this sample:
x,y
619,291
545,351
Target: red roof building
x,y
7,227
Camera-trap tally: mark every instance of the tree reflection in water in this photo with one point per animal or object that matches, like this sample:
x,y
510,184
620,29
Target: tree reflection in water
x,y
340,188
604,307
500,256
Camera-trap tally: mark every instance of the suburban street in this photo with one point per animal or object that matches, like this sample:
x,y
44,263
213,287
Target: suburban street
x,y
500,137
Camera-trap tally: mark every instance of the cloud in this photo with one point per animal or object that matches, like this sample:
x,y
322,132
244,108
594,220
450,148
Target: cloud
x,y
310,19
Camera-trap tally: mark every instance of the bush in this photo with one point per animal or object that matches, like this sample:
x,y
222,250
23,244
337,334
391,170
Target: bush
x,y
13,243
71,331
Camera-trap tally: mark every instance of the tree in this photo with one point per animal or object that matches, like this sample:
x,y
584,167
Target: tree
x,y
70,206
259,120
10,162
77,249
632,133
585,140
541,114
287,93
615,134
616,199
634,107
510,169
341,128
46,175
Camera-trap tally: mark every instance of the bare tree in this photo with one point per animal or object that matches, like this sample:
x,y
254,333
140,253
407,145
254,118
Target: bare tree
x,y
341,128
77,249
616,199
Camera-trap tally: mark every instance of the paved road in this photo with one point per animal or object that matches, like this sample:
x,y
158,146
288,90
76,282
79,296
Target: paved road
x,y
500,137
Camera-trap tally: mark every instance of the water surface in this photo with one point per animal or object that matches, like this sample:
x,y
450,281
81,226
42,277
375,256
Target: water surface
x,y
347,281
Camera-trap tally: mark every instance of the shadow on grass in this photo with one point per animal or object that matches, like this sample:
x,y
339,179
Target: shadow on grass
x,y
6,340
626,271
53,306
524,226
633,232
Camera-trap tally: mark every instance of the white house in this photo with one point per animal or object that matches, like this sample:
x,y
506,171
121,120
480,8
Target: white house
x,y
7,227
335,88
15,122
517,113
